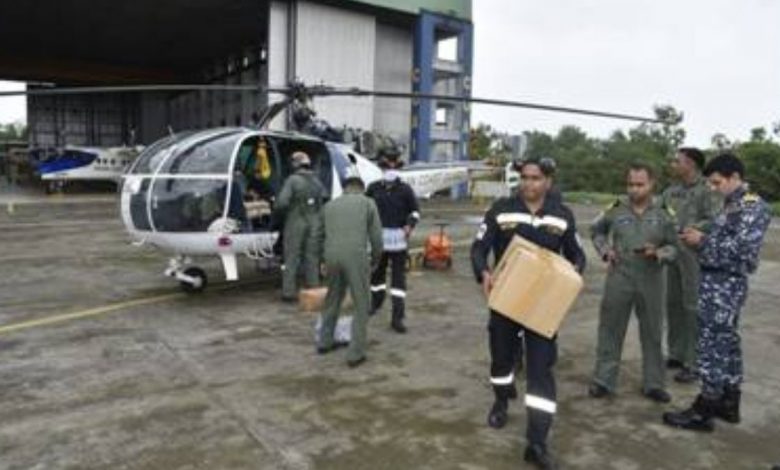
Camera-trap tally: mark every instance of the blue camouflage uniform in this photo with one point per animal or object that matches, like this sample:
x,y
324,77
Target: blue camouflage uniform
x,y
727,255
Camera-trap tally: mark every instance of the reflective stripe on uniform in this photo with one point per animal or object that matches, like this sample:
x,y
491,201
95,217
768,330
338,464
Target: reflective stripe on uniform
x,y
379,288
505,380
539,403
552,221
397,293
524,218
514,218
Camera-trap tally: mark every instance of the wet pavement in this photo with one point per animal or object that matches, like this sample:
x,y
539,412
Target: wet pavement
x,y
105,364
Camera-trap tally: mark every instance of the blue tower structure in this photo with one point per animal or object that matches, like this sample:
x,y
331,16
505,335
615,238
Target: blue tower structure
x,y
440,130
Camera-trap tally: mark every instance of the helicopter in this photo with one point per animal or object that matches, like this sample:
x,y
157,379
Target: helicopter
x,y
211,192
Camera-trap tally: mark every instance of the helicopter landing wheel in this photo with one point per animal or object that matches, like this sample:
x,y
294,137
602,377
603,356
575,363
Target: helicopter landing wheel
x,y
197,280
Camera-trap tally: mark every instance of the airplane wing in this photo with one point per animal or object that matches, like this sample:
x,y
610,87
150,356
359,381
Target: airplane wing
x,y
427,179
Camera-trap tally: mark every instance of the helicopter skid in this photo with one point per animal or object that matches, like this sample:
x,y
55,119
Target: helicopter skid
x,y
228,247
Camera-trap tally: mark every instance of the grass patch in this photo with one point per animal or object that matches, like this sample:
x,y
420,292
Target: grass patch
x,y
775,208
589,198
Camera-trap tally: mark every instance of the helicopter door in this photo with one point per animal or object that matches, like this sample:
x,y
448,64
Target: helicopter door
x,y
254,176
316,150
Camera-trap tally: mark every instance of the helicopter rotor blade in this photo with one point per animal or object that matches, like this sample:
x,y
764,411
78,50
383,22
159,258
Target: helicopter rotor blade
x,y
300,91
139,89
325,91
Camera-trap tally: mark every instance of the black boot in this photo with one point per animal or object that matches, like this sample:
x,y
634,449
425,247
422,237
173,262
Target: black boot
x,y
728,409
696,418
538,455
498,416
686,375
397,323
377,299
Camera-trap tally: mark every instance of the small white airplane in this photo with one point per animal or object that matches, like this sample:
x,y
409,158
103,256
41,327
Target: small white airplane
x,y
76,163
212,192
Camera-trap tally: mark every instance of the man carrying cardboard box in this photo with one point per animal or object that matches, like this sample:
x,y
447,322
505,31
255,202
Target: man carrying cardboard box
x,y
551,225
636,238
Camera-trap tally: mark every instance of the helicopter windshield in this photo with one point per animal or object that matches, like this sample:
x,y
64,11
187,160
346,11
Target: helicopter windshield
x,y
210,155
189,153
153,155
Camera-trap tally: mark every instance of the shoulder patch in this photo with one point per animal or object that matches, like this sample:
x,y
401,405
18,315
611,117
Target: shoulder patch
x,y
751,197
612,205
668,209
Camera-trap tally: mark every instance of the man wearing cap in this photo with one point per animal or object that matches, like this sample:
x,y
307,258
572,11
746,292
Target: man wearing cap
x,y
300,200
351,224
694,206
400,212
551,225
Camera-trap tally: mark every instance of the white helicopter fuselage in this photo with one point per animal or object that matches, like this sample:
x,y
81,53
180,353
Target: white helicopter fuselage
x,y
180,195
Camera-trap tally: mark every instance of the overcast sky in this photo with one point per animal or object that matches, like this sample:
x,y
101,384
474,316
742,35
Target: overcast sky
x,y
717,60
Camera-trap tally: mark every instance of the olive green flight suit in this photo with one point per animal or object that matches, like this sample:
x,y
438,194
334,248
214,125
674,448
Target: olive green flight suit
x,y
300,200
694,206
352,224
633,283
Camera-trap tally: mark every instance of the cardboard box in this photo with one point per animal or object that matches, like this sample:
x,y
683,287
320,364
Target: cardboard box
x,y
313,300
534,287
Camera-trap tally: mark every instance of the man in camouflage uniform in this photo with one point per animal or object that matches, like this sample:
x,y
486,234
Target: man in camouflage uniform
x,y
300,201
694,205
727,255
636,237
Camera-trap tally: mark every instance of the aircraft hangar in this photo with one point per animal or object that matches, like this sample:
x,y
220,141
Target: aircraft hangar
x,y
408,45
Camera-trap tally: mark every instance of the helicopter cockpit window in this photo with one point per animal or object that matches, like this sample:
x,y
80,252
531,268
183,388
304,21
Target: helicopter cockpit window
x,y
208,156
188,205
152,156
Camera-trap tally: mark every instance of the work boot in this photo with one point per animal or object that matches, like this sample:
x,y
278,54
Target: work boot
x,y
674,364
696,418
728,409
596,390
332,347
686,376
397,323
658,395
538,455
512,393
498,416
377,299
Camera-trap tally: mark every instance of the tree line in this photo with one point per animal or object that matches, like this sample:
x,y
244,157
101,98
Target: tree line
x,y
597,165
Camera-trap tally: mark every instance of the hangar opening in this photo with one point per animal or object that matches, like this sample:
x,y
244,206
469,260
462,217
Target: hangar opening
x,y
372,44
